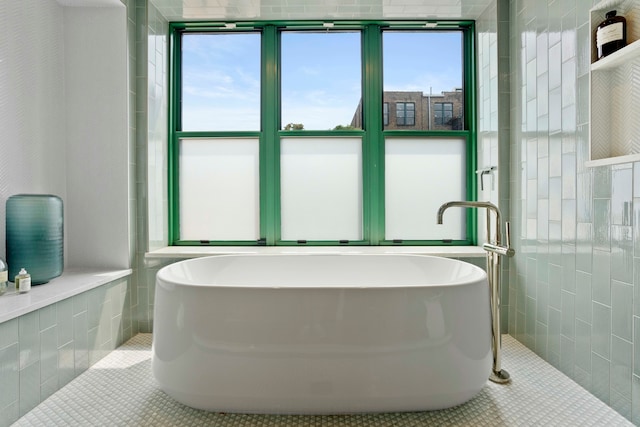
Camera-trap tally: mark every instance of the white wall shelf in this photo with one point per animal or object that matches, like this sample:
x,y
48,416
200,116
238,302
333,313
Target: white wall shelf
x,y
619,58
614,100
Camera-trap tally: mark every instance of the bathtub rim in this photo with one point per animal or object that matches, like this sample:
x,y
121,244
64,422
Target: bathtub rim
x,y
479,275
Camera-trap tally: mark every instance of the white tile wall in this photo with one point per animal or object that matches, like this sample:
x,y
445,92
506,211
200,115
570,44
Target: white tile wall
x,y
97,137
32,107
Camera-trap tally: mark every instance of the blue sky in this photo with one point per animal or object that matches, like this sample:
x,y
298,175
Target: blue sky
x,y
321,75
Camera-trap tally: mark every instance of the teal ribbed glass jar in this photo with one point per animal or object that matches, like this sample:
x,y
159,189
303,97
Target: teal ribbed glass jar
x,y
34,227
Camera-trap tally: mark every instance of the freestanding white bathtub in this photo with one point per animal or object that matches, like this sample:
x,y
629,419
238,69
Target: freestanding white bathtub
x,y
321,334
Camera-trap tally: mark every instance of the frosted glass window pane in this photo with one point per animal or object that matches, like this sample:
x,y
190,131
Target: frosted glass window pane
x,y
219,189
421,175
220,82
321,188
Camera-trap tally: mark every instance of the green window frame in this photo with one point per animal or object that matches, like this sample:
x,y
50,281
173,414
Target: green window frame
x,y
372,133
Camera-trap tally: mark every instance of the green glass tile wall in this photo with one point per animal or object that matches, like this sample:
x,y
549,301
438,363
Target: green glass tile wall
x,y
575,283
40,352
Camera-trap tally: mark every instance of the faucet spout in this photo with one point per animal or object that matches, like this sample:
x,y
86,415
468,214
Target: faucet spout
x,y
471,204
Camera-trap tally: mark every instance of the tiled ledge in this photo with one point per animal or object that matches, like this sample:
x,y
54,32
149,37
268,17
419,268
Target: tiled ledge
x,y
70,283
178,252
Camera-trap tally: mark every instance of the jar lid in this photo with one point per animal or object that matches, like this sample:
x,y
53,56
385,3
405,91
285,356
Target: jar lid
x,y
611,14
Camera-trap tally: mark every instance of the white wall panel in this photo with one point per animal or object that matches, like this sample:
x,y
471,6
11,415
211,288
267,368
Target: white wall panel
x,y
97,213
32,107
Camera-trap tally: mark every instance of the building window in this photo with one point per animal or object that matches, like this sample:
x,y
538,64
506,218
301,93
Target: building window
x,y
443,113
385,114
278,136
406,113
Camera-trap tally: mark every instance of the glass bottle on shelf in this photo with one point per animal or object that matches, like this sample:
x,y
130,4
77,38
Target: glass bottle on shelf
x,y
611,34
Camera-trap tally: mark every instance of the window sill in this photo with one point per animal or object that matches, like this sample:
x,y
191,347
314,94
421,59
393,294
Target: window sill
x,y
179,252
71,282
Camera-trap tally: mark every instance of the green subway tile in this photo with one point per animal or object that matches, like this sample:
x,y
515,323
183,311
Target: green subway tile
x,y
8,333
602,182
584,247
47,316
620,404
29,335
622,253
542,338
64,320
622,310
555,327
602,224
568,266
81,342
583,377
601,330
583,346
583,296
621,196
568,315
66,370
29,387
10,413
9,373
48,388
600,375
584,198
79,303
635,400
530,318
48,354
601,277
636,286
621,361
542,302
569,178
636,347
555,286
567,356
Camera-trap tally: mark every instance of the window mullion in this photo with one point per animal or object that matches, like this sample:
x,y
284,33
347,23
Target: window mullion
x,y
373,153
269,150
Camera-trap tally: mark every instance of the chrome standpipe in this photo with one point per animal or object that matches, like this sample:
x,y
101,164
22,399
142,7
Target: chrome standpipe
x,y
494,250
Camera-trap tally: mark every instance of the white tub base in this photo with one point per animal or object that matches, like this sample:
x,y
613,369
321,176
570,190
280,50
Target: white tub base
x,y
305,335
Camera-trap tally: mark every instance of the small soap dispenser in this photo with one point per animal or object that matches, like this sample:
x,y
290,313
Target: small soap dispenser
x,y
23,281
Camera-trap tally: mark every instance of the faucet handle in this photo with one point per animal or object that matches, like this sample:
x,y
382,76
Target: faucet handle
x,y
507,234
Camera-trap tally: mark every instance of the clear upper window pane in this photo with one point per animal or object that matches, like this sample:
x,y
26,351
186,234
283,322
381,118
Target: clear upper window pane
x,y
423,69
321,80
221,82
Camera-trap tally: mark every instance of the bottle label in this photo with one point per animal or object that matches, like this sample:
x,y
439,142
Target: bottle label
x,y
4,276
610,33
25,284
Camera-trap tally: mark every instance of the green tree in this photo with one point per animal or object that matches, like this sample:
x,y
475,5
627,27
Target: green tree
x,y
344,127
294,126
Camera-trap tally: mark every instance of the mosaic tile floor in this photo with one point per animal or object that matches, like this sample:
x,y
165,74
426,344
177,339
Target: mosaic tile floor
x,y
120,391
